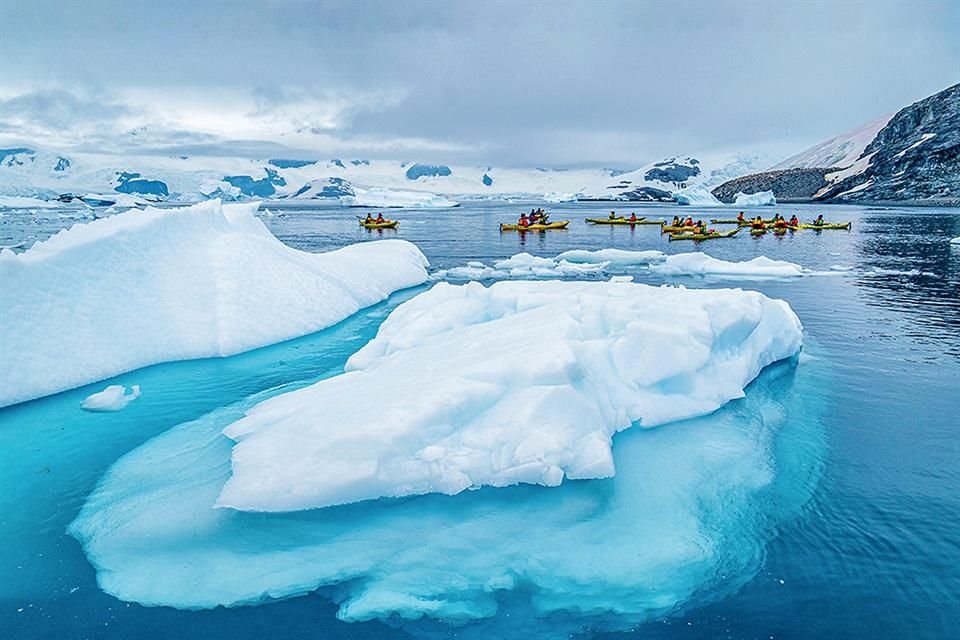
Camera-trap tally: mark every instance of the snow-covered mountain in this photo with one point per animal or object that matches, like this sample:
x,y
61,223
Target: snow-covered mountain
x,y
38,173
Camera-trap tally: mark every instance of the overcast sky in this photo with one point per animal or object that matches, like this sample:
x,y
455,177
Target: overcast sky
x,y
520,83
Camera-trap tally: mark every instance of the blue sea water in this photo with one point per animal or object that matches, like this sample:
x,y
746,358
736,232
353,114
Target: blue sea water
x,y
864,538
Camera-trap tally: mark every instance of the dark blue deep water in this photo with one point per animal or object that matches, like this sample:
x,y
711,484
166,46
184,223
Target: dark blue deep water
x,y
874,552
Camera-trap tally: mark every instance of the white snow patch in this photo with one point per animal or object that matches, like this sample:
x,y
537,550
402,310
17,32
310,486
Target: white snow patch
x,y
156,285
519,382
840,151
763,198
916,144
113,398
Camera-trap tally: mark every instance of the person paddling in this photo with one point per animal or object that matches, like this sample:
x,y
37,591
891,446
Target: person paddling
x,y
380,219
758,223
633,216
369,219
613,215
741,217
523,221
676,221
794,221
819,221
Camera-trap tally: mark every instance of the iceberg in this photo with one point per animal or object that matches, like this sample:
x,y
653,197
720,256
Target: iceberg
x,y
698,195
684,521
156,285
113,398
519,382
955,240
762,198
619,257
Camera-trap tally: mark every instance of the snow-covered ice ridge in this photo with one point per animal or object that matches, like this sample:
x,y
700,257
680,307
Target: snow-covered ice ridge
x,y
157,285
374,183
580,263
527,383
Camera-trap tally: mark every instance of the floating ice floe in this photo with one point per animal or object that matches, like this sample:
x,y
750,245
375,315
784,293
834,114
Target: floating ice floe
x,y
581,263
686,264
113,398
762,198
156,285
688,512
519,382
955,241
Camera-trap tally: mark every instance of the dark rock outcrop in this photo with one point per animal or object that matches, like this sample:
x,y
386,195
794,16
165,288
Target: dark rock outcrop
x,y
787,184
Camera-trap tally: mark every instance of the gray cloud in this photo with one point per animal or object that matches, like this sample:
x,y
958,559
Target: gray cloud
x,y
542,83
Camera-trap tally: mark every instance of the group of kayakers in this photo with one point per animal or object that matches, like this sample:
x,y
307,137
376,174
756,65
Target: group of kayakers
x,y
371,220
633,217
698,227
536,216
778,222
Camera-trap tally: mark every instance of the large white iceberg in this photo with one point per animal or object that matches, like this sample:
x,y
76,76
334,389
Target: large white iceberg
x,y
519,382
762,198
684,521
157,285
697,195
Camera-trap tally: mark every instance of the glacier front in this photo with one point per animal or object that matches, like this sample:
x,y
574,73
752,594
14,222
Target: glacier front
x,y
519,382
157,285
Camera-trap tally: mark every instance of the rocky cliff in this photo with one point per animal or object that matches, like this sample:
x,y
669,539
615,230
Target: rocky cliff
x,y
914,158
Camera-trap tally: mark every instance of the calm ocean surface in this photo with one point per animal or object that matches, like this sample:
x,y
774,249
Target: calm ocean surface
x,y
873,551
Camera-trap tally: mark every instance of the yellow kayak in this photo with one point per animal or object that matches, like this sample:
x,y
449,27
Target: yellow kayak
x,y
535,227
615,221
386,224
750,222
834,225
703,236
671,229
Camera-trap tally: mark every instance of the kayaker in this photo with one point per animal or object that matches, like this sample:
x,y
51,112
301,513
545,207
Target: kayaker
x,y
700,227
819,221
613,215
633,216
741,217
676,221
524,221
779,223
794,221
369,219
758,223
688,222
380,219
